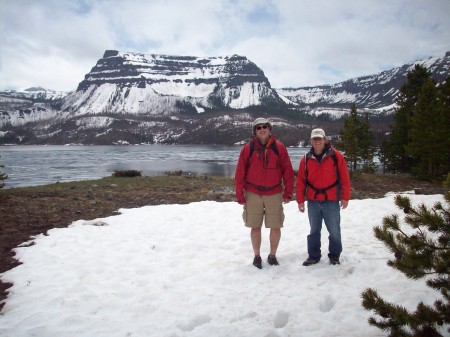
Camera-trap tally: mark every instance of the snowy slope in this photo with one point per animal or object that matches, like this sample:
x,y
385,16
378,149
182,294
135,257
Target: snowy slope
x,y
155,84
376,92
18,107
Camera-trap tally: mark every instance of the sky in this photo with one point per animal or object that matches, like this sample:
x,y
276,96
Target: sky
x,y
55,43
186,270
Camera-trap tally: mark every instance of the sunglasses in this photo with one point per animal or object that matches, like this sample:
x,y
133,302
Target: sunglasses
x,y
261,127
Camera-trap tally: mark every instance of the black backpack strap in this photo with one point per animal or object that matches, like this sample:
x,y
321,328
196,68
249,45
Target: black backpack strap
x,y
252,148
338,178
275,148
264,188
307,156
322,190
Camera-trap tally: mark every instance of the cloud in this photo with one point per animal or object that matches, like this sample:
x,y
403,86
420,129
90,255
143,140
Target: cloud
x,y
54,43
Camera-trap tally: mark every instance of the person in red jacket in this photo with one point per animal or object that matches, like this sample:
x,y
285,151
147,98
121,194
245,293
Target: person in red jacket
x,y
323,180
264,179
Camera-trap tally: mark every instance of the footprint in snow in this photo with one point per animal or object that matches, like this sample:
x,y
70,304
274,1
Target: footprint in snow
x,y
195,322
327,304
281,319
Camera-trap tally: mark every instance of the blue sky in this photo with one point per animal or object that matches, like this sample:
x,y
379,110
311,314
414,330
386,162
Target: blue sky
x,y
54,43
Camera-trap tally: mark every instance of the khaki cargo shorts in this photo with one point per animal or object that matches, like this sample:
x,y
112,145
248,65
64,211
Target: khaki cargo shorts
x,y
263,207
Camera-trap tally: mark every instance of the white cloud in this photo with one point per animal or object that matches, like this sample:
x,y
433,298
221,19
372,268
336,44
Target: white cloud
x,y
55,43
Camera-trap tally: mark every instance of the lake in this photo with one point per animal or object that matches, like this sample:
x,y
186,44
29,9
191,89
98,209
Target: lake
x,y
32,165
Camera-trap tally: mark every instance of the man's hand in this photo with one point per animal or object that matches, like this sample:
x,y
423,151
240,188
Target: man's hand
x,y
301,207
286,200
344,204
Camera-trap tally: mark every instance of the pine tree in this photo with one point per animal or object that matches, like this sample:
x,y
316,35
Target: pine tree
x,y
424,253
444,92
3,176
366,145
429,133
385,155
349,143
357,141
395,149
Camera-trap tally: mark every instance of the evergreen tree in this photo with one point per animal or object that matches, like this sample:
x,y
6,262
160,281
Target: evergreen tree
x,y
444,88
429,133
3,176
357,141
395,148
349,143
384,155
444,92
423,253
366,145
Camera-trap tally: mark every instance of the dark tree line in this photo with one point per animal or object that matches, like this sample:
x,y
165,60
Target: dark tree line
x,y
419,138
419,141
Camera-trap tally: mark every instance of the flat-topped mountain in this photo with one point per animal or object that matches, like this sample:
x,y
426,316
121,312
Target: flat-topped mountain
x,y
160,84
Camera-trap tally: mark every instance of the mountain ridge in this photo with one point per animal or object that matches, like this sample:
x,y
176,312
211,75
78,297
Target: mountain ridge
x,y
374,92
149,98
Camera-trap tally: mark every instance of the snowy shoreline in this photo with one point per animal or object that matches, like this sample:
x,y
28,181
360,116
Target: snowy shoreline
x,y
185,270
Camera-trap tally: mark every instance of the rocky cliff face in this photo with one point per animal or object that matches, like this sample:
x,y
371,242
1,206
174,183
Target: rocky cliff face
x,y
144,84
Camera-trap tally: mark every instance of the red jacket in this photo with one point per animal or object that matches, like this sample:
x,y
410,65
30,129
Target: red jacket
x,y
265,173
322,175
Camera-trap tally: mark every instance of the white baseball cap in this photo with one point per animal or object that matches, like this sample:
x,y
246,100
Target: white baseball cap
x,y
318,133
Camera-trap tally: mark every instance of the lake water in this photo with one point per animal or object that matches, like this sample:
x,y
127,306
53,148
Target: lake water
x,y
40,165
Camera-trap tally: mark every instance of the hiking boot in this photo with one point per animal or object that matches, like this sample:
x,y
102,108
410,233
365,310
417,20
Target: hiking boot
x,y
272,260
257,262
310,261
334,260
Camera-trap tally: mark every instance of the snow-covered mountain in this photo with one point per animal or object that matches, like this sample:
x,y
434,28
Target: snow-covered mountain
x,y
374,92
146,98
161,85
18,107
146,85
36,94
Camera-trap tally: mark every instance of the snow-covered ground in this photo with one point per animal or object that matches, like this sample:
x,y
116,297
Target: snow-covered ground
x,y
186,270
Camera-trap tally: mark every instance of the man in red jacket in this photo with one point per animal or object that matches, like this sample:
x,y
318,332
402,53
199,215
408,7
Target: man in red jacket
x,y
264,180
324,181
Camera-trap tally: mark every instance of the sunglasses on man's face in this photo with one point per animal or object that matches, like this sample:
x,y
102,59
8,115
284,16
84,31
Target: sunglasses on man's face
x,y
259,127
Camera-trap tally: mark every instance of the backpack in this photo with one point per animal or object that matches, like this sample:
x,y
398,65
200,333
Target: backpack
x,y
322,190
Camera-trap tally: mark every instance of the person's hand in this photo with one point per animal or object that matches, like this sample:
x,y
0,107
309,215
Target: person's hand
x,y
301,207
286,200
344,204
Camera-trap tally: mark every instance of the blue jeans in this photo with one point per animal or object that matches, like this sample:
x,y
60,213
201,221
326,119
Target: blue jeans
x,y
329,211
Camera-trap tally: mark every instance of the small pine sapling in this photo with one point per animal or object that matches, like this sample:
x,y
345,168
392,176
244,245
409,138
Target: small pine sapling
x,y
423,254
